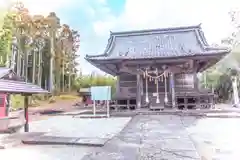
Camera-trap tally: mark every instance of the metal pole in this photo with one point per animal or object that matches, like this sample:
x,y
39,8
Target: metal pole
x,y
26,126
108,114
94,107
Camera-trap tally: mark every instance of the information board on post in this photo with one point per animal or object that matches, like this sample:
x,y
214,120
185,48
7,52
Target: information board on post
x,y
100,93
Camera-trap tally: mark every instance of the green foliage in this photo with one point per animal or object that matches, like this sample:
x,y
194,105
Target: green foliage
x,y
219,76
86,81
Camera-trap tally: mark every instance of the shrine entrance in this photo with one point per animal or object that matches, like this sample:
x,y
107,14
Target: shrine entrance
x,y
156,87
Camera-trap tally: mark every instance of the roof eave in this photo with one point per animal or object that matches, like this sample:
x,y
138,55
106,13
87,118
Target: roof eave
x,y
216,53
7,86
105,69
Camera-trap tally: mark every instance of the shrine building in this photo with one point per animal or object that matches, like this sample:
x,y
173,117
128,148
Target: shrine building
x,y
158,68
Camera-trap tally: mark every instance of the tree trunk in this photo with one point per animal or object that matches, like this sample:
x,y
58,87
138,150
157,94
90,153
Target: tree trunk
x,y
34,68
26,66
40,67
52,55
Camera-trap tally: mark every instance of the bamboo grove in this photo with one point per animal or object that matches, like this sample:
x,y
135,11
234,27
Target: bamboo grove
x,y
39,49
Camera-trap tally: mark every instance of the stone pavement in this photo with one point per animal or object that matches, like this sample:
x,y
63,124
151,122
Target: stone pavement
x,y
146,137
45,152
67,126
171,137
153,137
215,138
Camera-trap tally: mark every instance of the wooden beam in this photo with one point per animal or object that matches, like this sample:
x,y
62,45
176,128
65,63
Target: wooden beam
x,y
26,126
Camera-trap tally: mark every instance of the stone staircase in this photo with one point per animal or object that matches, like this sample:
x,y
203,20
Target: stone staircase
x,y
153,105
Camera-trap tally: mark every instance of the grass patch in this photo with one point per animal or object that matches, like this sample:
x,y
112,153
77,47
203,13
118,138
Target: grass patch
x,y
17,101
68,97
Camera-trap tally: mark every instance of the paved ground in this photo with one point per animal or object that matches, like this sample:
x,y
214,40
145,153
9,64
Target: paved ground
x,y
149,138
174,138
215,138
153,137
67,126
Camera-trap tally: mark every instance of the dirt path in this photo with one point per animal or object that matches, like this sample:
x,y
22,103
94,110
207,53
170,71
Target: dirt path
x,y
60,105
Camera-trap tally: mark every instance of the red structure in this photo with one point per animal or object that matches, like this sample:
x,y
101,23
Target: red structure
x,y
3,105
86,94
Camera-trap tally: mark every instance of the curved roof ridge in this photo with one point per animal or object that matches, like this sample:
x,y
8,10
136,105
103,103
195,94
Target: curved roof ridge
x,y
168,29
107,48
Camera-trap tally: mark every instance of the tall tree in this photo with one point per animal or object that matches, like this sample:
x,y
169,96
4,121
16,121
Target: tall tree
x,y
38,46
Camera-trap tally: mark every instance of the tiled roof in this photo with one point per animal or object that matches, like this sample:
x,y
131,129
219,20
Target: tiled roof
x,y
9,86
158,43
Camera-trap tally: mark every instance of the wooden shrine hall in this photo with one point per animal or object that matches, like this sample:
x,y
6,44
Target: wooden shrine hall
x,y
158,68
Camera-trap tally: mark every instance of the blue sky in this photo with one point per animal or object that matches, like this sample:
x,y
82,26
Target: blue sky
x,y
94,19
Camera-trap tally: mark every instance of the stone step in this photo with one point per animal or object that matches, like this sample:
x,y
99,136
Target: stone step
x,y
54,140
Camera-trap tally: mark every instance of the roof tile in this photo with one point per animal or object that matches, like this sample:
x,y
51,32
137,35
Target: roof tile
x,y
10,86
158,43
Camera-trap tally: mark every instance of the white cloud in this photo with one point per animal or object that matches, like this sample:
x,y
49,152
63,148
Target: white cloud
x,y
101,27
147,14
43,6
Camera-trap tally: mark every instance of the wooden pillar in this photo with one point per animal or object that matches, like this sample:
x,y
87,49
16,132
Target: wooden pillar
x,y
235,91
8,105
26,126
172,84
138,95
117,91
195,78
117,85
128,104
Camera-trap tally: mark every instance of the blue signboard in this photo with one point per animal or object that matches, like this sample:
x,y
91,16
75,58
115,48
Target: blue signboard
x,y
100,93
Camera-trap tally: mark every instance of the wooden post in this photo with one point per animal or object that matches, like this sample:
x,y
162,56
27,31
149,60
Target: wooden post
x,y
173,90
26,126
235,91
8,105
94,107
195,78
138,95
128,107
108,108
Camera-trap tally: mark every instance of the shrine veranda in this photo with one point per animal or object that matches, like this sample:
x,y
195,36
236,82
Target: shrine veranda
x,y
158,68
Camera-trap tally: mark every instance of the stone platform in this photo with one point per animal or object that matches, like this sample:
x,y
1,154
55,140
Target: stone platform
x,y
53,140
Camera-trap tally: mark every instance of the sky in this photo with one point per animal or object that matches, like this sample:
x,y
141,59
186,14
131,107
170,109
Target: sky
x,y
94,19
